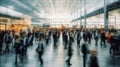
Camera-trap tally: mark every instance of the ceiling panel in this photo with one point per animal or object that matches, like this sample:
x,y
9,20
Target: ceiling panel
x,y
50,8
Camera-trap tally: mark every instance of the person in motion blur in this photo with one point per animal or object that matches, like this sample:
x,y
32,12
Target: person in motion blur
x,y
85,51
8,40
1,40
70,50
40,50
78,39
18,48
93,59
103,38
96,37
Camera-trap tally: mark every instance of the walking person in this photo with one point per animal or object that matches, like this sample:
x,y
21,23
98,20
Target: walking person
x,y
93,59
7,39
25,43
65,40
96,37
85,36
40,50
47,37
30,39
103,38
18,49
78,39
1,40
84,50
70,52
55,39
89,37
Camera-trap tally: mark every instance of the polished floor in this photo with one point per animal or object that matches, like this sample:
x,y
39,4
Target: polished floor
x,y
56,57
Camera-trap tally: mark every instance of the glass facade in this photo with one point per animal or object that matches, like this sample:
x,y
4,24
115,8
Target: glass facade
x,y
56,12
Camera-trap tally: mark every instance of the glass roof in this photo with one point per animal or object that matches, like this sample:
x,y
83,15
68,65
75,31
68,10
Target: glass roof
x,y
10,12
62,9
54,9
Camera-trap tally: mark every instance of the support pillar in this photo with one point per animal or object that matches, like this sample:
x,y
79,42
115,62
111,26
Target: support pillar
x,y
115,22
80,18
85,23
80,22
105,15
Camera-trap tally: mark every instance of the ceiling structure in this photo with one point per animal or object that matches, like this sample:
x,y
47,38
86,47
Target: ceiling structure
x,y
52,9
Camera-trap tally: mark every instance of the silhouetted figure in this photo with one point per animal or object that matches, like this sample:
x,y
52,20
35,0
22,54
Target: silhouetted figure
x,y
70,50
70,53
25,44
36,34
30,39
42,34
84,50
50,33
103,38
71,37
47,38
18,49
63,34
65,37
40,50
85,36
78,39
93,59
89,34
1,40
96,37
55,39
8,40
115,45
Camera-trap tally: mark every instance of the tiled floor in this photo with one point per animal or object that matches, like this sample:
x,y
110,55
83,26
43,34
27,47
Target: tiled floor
x,y
56,57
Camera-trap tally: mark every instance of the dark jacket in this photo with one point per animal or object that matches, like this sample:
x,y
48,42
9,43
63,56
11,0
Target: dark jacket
x,y
93,61
8,38
18,47
40,48
79,36
85,36
65,37
84,49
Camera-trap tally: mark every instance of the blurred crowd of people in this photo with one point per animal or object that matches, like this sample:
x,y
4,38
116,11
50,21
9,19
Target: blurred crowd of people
x,y
23,40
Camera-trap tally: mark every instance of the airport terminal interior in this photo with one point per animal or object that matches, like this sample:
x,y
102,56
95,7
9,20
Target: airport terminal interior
x,y
59,33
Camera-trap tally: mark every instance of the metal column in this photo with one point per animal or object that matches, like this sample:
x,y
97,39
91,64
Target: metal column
x,y
80,18
80,14
105,15
85,23
115,22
